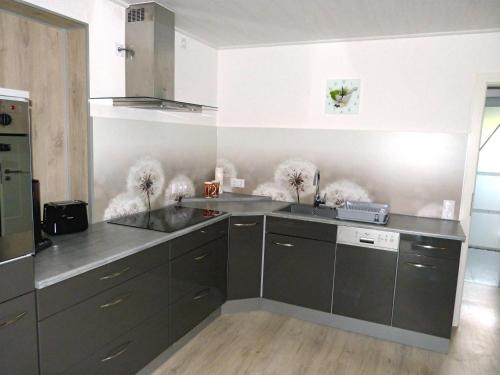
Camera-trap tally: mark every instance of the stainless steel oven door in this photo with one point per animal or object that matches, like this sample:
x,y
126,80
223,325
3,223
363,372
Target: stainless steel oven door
x,y
16,202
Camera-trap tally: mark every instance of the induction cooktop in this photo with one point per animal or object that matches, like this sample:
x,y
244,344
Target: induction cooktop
x,y
168,219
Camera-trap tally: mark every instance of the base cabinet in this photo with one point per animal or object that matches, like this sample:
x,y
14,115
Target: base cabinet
x,y
18,342
426,285
130,352
245,257
299,271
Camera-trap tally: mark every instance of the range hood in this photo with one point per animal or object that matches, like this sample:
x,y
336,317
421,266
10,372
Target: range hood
x,y
150,61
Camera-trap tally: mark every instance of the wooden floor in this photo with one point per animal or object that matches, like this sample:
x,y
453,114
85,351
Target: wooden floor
x,y
261,343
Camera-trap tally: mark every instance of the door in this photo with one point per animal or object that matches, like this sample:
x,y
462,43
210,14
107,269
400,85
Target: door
x,y
364,283
245,257
299,271
15,185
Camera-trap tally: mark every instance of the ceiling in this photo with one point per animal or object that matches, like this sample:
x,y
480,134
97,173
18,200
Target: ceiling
x,y
240,23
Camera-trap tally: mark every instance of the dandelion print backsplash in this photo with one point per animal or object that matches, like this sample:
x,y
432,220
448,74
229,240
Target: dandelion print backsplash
x,y
142,164
413,172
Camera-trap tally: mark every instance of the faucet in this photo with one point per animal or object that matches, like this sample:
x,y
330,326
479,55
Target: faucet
x,y
317,198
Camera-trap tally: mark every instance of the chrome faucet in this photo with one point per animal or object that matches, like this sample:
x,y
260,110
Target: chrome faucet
x,y
317,197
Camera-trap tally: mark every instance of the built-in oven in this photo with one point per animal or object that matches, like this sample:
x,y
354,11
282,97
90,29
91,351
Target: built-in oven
x,y
16,208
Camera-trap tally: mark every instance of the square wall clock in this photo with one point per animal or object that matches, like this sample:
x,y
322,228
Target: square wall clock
x,y
342,96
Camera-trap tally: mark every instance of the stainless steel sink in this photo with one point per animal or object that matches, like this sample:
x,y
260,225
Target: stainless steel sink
x,y
304,209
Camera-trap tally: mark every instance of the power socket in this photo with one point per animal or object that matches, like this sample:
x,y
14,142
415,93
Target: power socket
x,y
237,182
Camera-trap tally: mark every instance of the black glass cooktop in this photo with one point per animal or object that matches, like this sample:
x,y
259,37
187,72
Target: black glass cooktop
x,y
168,219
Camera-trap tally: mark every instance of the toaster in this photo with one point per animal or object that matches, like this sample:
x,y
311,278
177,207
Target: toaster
x,y
65,217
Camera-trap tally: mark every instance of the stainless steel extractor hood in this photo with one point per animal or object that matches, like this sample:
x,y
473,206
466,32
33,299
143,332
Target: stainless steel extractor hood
x,y
150,61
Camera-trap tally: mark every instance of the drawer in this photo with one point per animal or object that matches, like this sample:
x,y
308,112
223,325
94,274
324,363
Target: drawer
x,y
75,333
129,353
190,241
67,293
191,310
430,246
194,270
301,228
16,278
18,346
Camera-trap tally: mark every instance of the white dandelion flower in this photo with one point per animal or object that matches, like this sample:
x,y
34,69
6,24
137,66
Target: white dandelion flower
x,y
146,177
430,210
297,175
179,186
124,204
343,190
273,190
229,172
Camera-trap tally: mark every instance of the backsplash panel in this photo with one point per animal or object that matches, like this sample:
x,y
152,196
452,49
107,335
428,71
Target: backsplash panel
x,y
413,172
125,152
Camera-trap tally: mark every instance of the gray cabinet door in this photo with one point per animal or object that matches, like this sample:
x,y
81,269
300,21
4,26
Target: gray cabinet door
x,y
194,270
192,309
16,278
75,333
299,271
69,292
425,288
130,352
18,344
245,257
364,283
199,278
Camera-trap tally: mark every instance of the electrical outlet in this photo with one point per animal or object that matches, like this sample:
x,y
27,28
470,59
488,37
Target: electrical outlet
x,y
237,182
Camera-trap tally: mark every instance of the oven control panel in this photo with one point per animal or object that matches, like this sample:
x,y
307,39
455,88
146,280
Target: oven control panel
x,y
372,238
14,117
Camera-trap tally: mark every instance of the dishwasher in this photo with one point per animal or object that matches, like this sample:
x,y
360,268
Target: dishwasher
x,y
365,274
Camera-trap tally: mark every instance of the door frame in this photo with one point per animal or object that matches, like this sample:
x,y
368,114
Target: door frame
x,y
470,170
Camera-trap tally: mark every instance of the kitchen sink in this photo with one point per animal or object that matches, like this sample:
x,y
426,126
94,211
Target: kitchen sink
x,y
307,210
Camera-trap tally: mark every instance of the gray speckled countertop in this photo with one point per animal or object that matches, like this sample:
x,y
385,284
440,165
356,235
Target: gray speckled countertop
x,y
104,243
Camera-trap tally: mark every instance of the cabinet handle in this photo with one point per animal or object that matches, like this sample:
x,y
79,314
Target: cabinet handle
x,y
420,266
115,302
13,320
121,349
430,247
202,294
284,244
200,257
245,224
116,274
203,231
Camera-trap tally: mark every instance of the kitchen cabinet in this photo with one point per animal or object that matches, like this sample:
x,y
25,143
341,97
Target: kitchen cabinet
x,y
245,257
199,279
299,271
75,333
363,287
67,293
426,285
18,341
130,352
16,278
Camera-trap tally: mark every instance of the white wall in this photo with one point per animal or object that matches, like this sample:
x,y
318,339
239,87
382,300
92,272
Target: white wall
x,y
106,22
415,84
195,71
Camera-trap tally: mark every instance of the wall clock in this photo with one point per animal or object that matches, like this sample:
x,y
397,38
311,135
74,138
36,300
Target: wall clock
x,y
342,96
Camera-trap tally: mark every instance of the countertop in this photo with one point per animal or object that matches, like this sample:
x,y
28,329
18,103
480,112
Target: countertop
x,y
101,244
104,243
